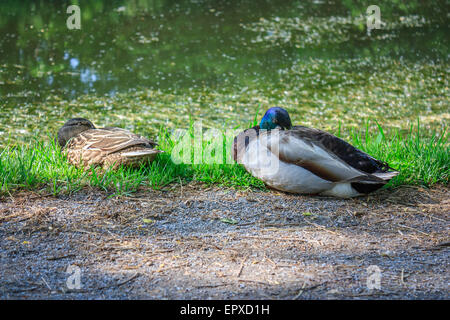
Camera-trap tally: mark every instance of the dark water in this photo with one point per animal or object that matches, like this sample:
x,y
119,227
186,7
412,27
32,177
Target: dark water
x,y
182,47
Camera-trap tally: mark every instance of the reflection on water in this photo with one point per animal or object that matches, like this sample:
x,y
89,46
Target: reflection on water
x,y
74,62
144,63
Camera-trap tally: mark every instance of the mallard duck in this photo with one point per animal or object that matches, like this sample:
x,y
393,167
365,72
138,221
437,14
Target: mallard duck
x,y
298,159
86,145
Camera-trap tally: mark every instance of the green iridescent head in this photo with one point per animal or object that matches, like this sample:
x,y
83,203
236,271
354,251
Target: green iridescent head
x,y
276,117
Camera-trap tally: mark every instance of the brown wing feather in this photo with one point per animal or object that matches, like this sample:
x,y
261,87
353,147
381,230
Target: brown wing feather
x,y
342,149
96,146
131,135
108,141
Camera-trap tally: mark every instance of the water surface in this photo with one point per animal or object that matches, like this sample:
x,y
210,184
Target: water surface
x,y
145,64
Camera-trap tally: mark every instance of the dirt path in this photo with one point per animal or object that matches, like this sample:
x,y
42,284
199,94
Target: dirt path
x,y
192,243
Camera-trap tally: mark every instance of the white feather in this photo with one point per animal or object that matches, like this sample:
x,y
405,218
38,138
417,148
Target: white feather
x,y
341,190
262,163
140,153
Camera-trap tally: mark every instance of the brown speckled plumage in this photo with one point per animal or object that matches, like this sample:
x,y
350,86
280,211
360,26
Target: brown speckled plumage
x,y
109,148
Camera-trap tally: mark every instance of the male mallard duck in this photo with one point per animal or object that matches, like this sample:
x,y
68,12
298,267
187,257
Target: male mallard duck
x,y
104,147
298,159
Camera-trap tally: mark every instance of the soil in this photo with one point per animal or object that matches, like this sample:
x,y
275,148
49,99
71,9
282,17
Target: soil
x,y
197,243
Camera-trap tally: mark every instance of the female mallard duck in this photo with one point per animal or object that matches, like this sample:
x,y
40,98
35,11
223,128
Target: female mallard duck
x,y
298,159
105,147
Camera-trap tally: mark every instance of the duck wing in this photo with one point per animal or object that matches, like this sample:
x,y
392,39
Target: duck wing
x,y
325,155
108,140
342,149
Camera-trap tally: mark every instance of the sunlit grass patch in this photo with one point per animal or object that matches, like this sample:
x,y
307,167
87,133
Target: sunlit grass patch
x,y
422,159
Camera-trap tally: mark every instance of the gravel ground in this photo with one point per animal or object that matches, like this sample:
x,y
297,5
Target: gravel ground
x,y
197,243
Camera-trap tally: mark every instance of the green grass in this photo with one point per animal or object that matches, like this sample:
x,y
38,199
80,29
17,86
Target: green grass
x,y
422,158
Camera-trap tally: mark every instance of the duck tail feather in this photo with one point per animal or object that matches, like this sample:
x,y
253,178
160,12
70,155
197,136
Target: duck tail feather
x,y
140,153
373,178
366,179
386,176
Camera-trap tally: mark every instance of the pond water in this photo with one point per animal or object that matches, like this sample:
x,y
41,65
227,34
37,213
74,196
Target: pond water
x,y
145,64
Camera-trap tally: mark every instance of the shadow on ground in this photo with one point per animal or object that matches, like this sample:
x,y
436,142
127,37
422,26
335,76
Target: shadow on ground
x,y
196,243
